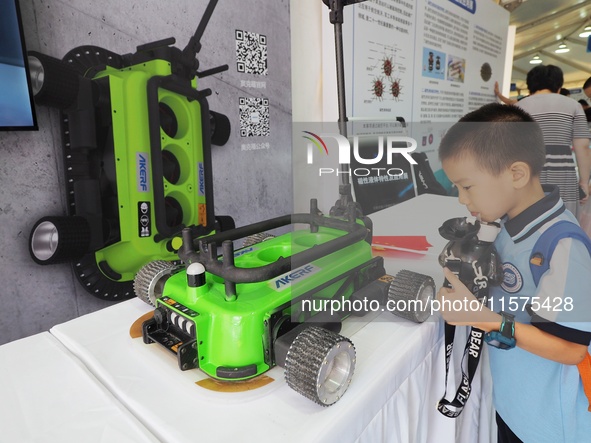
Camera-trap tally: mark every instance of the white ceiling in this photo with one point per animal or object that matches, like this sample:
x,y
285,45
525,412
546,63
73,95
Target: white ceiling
x,y
541,25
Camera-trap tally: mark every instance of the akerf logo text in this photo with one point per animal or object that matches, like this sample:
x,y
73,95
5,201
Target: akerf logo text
x,y
143,182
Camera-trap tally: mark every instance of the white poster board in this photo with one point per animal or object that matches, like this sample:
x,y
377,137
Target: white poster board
x,y
423,60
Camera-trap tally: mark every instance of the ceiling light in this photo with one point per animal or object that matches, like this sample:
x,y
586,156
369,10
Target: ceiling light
x,y
510,5
536,60
562,48
586,32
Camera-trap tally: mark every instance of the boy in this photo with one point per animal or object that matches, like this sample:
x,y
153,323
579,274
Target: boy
x,y
494,156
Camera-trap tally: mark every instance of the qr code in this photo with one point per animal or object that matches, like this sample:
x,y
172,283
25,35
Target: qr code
x,y
251,52
254,117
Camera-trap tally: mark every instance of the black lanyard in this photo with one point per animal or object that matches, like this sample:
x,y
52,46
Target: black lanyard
x,y
472,351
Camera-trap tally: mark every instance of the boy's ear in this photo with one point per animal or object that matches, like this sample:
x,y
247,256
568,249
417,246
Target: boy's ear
x,y
520,174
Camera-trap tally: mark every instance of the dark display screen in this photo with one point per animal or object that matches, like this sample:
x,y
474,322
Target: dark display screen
x,y
17,110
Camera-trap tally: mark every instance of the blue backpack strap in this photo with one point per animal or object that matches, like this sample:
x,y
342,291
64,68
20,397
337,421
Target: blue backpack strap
x,y
539,261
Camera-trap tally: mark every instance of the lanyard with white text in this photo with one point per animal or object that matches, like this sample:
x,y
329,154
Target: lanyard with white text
x,y
473,350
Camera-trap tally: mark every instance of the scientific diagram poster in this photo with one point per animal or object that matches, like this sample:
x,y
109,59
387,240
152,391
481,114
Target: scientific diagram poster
x,y
379,41
423,60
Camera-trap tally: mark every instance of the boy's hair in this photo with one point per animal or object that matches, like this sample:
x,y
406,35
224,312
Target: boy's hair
x,y
544,77
496,136
587,83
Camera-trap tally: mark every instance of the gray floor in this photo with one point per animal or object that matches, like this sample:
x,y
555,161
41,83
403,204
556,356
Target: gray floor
x,y
250,185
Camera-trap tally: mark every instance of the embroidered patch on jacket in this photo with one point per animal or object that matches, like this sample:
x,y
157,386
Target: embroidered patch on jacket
x,y
512,279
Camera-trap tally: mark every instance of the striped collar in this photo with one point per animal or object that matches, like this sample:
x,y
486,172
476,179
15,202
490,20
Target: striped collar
x,y
529,221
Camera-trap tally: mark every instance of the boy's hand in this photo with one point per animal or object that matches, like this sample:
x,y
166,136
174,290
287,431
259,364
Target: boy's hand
x,y
460,307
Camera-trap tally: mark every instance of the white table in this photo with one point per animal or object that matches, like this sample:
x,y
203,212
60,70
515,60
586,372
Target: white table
x,y
48,396
393,390
398,379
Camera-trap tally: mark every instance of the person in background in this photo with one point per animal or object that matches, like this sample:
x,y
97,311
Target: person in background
x,y
565,92
502,98
587,87
587,110
564,124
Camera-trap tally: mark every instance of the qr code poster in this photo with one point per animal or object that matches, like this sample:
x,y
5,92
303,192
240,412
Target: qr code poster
x,y
251,52
254,117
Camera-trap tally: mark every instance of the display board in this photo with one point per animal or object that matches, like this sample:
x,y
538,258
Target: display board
x,y
423,60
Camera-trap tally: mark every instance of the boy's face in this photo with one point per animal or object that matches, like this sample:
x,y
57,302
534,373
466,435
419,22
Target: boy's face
x,y
481,192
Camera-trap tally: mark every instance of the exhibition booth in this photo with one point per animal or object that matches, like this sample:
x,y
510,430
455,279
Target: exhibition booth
x,y
171,294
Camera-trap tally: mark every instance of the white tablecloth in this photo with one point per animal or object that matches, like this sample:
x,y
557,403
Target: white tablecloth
x,y
48,396
398,379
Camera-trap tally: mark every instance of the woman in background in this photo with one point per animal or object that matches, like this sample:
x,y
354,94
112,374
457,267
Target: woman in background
x,y
564,124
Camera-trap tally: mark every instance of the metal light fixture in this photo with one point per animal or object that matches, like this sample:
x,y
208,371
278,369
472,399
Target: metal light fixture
x,y
562,48
536,60
510,5
586,32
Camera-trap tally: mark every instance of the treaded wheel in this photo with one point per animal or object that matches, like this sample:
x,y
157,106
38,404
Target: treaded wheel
x,y
149,280
256,238
59,239
55,83
320,365
220,128
225,222
95,282
86,59
413,293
